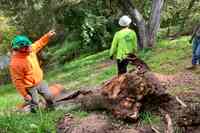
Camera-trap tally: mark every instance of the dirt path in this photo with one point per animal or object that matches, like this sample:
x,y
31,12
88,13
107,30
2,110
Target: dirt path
x,y
185,78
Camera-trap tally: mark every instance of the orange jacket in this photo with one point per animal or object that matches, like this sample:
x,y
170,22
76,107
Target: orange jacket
x,y
25,70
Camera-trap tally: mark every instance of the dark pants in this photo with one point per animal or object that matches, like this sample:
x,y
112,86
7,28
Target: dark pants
x,y
196,51
122,66
42,89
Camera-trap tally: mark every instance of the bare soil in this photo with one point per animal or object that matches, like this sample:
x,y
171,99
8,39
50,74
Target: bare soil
x,y
95,123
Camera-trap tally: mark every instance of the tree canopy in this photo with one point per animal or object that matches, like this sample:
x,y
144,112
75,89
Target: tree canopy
x,y
91,23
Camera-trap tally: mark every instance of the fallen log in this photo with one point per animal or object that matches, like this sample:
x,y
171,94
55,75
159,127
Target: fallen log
x,y
122,95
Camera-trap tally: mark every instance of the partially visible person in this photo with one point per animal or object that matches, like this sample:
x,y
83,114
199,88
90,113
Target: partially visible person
x,y
195,40
26,74
123,44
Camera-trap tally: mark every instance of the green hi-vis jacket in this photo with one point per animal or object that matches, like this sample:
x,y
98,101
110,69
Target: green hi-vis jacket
x,y
124,42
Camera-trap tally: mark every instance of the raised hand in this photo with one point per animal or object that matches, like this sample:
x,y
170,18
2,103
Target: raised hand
x,y
51,33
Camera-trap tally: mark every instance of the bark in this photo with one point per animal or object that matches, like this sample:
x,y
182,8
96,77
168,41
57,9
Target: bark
x,y
140,22
123,95
154,22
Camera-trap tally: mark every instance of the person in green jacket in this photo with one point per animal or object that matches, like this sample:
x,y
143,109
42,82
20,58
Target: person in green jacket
x,y
123,44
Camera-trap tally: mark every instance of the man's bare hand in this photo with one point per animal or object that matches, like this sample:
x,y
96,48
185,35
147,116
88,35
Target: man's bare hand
x,y
28,98
51,33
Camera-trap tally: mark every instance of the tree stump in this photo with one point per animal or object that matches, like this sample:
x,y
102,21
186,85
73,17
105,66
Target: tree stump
x,y
122,95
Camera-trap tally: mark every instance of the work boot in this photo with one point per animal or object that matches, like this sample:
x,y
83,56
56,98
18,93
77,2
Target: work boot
x,y
192,67
50,105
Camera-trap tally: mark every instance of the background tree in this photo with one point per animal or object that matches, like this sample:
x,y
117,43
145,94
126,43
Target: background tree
x,y
180,16
87,26
147,29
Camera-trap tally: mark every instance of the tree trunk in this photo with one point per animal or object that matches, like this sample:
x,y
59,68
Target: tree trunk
x,y
139,20
154,22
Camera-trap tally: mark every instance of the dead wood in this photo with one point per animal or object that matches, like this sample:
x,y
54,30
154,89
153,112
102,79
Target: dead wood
x,y
190,116
134,60
154,129
169,124
122,95
181,102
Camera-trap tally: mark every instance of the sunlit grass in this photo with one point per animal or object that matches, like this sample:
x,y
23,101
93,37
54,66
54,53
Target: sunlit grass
x,y
41,122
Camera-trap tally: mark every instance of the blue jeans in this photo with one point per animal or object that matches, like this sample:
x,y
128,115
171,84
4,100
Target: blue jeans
x,y
196,51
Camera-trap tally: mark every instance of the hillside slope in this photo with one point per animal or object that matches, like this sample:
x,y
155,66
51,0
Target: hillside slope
x,y
169,57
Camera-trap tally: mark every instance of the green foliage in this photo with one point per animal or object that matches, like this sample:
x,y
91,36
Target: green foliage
x,y
149,118
94,32
83,20
6,34
180,13
82,27
144,7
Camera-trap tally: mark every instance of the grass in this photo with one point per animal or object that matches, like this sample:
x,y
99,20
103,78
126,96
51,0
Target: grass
x,y
78,73
180,89
149,118
28,123
168,57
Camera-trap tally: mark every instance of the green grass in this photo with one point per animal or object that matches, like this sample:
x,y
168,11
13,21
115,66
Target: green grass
x,y
8,98
29,123
180,89
168,57
149,118
78,73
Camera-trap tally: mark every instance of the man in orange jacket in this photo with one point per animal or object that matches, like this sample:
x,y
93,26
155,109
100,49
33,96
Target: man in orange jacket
x,y
26,74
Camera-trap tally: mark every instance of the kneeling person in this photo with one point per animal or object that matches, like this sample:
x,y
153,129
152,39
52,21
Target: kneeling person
x,y
26,74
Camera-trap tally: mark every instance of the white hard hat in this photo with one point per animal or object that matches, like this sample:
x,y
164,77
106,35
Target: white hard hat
x,y
125,21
